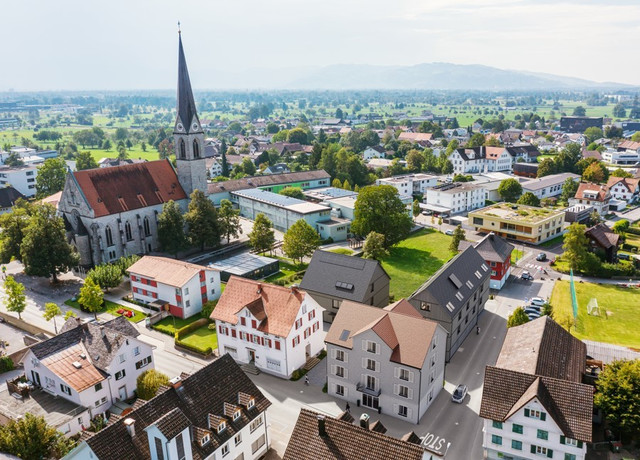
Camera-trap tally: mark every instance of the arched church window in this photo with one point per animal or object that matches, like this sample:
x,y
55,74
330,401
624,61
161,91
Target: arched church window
x,y
147,227
196,149
183,149
108,236
127,231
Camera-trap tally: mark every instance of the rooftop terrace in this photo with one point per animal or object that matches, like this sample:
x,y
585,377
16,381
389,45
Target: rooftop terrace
x,y
517,212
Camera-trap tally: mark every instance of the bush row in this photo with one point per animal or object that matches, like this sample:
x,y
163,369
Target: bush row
x,y
203,351
289,279
180,333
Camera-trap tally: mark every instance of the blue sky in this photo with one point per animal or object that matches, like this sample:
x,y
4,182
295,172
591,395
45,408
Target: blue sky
x,y
72,44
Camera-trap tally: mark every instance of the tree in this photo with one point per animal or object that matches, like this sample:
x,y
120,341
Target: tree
x,y
458,236
336,183
415,160
44,250
13,159
70,314
91,297
547,309
248,167
477,140
293,192
225,165
594,173
618,395
122,153
546,167
529,199
13,225
121,134
207,308
202,220
31,438
261,237
621,226
51,177
517,318
374,247
51,310
171,229
566,320
579,111
569,189
575,246
379,209
510,190
106,145
148,383
84,160
106,276
16,300
593,133
300,241
619,111
229,220
346,185
621,173
297,136
415,208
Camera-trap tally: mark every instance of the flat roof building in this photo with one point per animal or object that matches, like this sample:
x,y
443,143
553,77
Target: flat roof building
x,y
246,265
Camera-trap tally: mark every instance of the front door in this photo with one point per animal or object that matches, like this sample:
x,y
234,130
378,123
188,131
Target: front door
x,y
36,378
307,350
252,356
122,393
370,401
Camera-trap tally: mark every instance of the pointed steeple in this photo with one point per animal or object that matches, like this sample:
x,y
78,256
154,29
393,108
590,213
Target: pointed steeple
x,y
187,116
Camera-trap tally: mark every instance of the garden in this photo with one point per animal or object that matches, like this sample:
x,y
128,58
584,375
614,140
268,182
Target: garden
x,y
196,333
112,308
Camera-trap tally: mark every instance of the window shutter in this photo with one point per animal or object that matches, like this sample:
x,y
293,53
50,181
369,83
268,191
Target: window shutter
x,y
396,389
333,370
346,373
410,393
396,372
396,408
346,357
579,444
277,344
543,416
364,363
409,413
333,353
411,376
377,349
549,453
364,344
562,439
533,449
526,412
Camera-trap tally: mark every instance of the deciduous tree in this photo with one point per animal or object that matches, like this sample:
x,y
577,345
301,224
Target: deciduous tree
x,y
51,177
31,438
510,190
202,220
529,199
171,229
261,237
148,383
300,241
374,246
458,236
91,297
618,395
107,276
293,192
16,299
575,246
569,189
13,225
84,160
517,318
229,220
51,310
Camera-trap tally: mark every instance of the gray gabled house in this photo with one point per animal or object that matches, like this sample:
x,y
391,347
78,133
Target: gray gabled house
x,y
332,278
455,296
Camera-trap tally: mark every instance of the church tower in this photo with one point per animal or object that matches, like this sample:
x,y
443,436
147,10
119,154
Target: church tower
x,y
188,136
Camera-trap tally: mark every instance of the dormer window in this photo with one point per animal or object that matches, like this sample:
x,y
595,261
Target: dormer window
x,y
221,427
251,403
205,439
236,415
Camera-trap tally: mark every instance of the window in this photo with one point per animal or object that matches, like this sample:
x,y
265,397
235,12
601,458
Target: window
x,y
255,424
180,446
517,428
136,351
340,371
339,355
531,413
496,439
403,391
402,411
543,435
251,403
497,425
539,450
103,400
404,374
196,149
371,382
371,364
122,357
205,439
225,450
257,444
97,403
183,150
340,390
298,323
127,231
65,389
108,236
238,439
570,442
372,347
98,386
236,415
424,306
159,450
186,292
147,226
517,445
120,374
335,303
222,426
569,457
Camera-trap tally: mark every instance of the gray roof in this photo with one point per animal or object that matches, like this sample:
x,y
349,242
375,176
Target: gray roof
x,y
494,248
548,181
101,348
266,181
8,196
341,276
452,278
186,104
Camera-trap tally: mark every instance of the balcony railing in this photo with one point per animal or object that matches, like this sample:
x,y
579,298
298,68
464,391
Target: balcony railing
x,y
363,388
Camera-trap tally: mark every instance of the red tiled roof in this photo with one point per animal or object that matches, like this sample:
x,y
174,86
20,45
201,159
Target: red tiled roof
x,y
602,190
123,188
278,305
630,183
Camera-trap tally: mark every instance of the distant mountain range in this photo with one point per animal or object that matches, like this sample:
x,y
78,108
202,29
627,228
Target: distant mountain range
x,y
432,76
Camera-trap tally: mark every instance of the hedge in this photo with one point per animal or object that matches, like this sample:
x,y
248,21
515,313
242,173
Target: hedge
x,y
6,364
180,333
633,230
203,351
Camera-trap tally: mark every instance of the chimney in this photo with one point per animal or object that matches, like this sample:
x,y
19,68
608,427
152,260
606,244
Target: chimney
x,y
294,288
175,382
364,421
131,426
322,431
259,289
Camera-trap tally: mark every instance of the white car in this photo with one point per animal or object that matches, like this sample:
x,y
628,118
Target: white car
x,y
538,301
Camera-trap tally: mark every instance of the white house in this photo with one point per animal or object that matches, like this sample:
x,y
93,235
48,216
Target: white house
x,y
184,286
468,161
92,365
22,178
456,197
410,184
624,189
548,186
272,327
534,403
215,413
594,195
374,151
214,167
388,359
620,157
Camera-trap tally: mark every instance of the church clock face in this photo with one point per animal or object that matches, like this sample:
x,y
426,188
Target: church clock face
x,y
180,127
195,126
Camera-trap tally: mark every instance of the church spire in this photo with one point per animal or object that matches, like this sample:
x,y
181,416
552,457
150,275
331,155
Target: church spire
x,y
187,117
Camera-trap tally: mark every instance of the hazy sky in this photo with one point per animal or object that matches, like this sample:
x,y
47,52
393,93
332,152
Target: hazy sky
x,y
132,44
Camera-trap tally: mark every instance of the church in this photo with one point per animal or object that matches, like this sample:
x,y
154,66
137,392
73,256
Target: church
x,y
113,212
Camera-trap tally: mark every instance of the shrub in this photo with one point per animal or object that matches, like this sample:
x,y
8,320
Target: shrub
x,y
203,351
207,308
148,383
322,354
180,333
298,374
6,364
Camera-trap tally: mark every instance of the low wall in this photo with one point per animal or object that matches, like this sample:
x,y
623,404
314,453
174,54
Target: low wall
x,y
21,324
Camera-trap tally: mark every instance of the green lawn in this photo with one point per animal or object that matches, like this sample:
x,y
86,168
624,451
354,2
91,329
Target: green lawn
x,y
412,261
287,268
345,251
516,255
552,241
112,308
202,338
166,325
617,322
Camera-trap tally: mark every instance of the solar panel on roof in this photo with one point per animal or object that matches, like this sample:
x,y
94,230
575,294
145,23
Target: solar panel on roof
x,y
345,335
343,285
454,279
450,306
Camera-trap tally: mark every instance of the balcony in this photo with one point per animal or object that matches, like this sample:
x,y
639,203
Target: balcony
x,y
362,388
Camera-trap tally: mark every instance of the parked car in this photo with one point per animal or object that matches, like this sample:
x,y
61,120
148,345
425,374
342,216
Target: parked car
x,y
539,301
526,276
426,213
532,313
541,257
459,394
449,232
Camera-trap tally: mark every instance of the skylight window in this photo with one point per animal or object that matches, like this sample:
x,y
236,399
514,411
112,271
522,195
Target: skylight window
x,y
454,279
345,286
484,268
478,275
459,296
469,284
345,335
450,306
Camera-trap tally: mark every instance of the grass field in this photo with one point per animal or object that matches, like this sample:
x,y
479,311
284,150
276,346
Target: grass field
x,y
617,323
112,308
412,261
166,326
287,268
202,338
344,251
